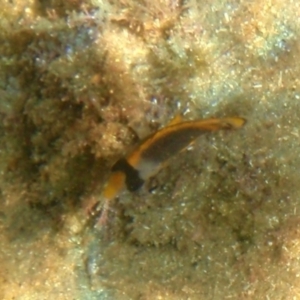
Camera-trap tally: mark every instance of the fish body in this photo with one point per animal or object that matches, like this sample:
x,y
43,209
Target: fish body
x,y
155,151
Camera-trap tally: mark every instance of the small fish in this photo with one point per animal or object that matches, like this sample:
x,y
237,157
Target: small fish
x,y
155,151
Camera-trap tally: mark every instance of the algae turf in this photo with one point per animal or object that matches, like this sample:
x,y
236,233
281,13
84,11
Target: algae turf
x,y
220,217
76,77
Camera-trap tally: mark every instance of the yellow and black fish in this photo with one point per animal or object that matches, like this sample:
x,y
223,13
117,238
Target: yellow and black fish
x,y
155,151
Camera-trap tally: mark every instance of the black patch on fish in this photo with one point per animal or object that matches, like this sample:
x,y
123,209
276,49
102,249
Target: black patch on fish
x,y
133,179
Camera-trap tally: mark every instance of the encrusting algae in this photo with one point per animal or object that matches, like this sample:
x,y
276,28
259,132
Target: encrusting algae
x,y
154,153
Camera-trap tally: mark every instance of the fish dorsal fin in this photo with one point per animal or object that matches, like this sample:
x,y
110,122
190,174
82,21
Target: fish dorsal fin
x,y
177,119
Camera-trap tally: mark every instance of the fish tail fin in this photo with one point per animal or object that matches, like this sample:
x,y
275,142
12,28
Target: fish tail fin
x,y
114,185
110,191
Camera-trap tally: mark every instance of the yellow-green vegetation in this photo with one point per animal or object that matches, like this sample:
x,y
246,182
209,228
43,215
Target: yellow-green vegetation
x,y
76,77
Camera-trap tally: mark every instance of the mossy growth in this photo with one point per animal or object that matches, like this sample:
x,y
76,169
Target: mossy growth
x,y
75,76
62,117
219,210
